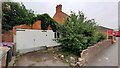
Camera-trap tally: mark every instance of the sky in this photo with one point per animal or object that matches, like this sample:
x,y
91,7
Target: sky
x,y
105,12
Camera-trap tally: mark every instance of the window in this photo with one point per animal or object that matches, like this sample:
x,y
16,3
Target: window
x,y
56,35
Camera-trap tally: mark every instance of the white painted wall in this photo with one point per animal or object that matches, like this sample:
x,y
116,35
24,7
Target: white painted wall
x,y
31,39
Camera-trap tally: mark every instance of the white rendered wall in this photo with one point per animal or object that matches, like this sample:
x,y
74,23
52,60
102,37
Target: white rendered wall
x,y
31,39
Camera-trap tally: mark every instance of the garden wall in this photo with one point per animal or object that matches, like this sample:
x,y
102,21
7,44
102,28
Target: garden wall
x,y
91,51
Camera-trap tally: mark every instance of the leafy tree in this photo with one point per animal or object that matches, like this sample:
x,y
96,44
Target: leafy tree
x,y
15,14
77,33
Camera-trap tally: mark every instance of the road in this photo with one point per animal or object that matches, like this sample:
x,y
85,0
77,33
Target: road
x,y
108,57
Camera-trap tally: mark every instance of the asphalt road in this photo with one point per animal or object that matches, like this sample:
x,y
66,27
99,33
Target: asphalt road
x,y
108,57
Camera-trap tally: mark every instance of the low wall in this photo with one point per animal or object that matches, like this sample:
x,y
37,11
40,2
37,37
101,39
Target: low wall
x,y
91,51
23,51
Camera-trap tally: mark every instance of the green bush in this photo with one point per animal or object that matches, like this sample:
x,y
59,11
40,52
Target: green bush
x,y
78,33
101,36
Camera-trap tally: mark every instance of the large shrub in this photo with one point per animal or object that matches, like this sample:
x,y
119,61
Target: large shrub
x,y
78,33
14,13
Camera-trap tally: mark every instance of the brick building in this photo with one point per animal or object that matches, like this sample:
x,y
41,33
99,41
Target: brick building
x,y
59,17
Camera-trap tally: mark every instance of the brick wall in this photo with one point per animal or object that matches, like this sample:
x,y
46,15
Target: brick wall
x,y
20,26
36,25
7,36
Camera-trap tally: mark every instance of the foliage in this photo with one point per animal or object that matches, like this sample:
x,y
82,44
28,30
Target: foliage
x,y
46,21
15,14
101,36
78,33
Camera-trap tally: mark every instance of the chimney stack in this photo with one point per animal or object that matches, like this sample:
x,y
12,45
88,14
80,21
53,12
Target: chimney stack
x,y
58,8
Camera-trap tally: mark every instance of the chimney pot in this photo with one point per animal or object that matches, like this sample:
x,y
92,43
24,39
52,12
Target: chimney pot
x,y
58,8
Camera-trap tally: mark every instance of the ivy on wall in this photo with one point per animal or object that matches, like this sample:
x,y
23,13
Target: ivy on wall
x,y
16,14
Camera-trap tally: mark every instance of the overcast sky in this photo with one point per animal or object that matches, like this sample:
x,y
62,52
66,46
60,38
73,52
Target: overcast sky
x,y
104,12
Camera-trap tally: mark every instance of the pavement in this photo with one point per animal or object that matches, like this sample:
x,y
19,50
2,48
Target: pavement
x,y
108,57
40,58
